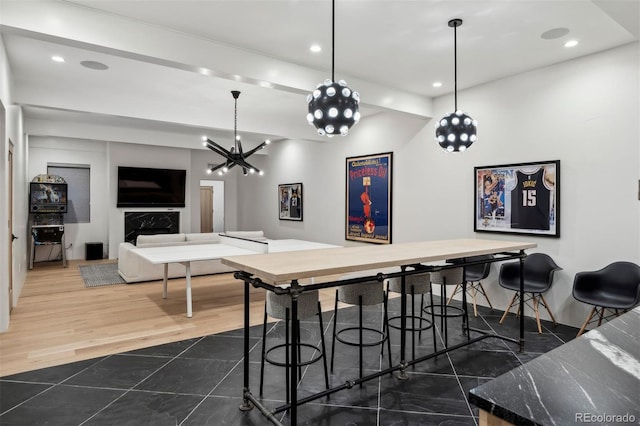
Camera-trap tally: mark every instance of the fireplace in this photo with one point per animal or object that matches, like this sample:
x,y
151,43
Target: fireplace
x,y
150,223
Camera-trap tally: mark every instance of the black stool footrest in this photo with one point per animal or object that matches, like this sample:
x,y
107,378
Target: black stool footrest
x,y
383,336
300,363
437,312
409,317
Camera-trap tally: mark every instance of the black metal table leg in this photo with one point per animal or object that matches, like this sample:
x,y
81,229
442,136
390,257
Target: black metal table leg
x,y
402,373
246,404
293,374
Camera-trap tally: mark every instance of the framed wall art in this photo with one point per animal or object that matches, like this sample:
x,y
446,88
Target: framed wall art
x,y
290,201
368,198
518,198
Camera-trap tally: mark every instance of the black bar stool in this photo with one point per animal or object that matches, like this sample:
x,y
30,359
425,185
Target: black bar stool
x,y
279,307
414,284
445,277
361,294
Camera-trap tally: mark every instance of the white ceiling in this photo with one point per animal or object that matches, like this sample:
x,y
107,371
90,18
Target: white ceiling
x,y
173,63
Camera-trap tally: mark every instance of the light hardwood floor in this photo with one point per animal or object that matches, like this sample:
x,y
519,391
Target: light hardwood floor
x,y
57,320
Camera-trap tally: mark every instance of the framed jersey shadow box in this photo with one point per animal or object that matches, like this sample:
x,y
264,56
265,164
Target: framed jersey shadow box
x,y
518,198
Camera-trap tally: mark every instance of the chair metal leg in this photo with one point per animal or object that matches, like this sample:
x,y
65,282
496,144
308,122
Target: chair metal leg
x,y
335,322
297,325
433,318
287,352
360,334
421,311
443,315
586,322
324,350
413,324
386,325
264,339
506,311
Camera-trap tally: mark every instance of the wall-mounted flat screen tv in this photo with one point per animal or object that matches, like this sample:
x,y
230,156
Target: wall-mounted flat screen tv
x,y
146,187
47,197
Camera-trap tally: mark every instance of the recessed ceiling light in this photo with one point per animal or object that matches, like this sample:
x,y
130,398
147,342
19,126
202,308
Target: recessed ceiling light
x,y
571,43
94,65
437,84
554,33
315,48
57,58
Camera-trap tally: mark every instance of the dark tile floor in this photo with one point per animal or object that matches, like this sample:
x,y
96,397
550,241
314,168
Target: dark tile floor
x,y
199,381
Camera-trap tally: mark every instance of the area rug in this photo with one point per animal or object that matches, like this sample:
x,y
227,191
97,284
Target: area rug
x,y
100,274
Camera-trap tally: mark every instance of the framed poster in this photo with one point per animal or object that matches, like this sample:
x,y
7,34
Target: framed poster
x,y
290,201
368,198
518,198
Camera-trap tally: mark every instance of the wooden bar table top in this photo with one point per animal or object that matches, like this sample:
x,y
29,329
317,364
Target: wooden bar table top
x,y
295,265
277,268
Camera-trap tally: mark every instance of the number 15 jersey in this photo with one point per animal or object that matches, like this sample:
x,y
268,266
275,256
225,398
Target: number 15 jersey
x,y
530,202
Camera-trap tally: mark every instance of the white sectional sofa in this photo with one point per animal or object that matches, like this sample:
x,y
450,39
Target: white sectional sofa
x,y
132,268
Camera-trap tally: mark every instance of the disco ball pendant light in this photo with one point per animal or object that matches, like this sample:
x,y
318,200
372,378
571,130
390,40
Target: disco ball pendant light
x,y
236,156
456,131
333,107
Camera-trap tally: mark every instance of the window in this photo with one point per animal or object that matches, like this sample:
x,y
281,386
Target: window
x,y
78,181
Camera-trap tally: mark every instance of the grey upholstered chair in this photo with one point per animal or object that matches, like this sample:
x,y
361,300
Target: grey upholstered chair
x,y
414,284
279,307
361,294
444,278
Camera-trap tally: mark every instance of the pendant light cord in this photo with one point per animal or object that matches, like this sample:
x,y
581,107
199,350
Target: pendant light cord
x,y
333,39
455,68
235,125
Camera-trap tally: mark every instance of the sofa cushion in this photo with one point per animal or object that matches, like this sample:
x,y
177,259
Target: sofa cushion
x,y
159,240
203,238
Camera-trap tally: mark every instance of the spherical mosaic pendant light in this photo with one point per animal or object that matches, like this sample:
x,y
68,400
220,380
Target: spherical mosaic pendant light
x,y
456,132
333,106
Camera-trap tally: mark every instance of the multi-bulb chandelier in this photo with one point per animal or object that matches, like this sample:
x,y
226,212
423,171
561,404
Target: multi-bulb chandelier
x,y
333,107
456,131
235,156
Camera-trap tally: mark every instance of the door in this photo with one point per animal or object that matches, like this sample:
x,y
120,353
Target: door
x,y
206,209
10,214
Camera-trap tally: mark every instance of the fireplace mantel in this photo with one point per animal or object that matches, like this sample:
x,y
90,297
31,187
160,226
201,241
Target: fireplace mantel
x,y
148,223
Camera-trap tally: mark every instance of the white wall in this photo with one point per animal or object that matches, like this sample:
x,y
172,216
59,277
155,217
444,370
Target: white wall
x,y
583,112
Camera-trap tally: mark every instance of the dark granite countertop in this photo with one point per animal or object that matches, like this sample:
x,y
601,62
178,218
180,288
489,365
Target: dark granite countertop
x,y
594,379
